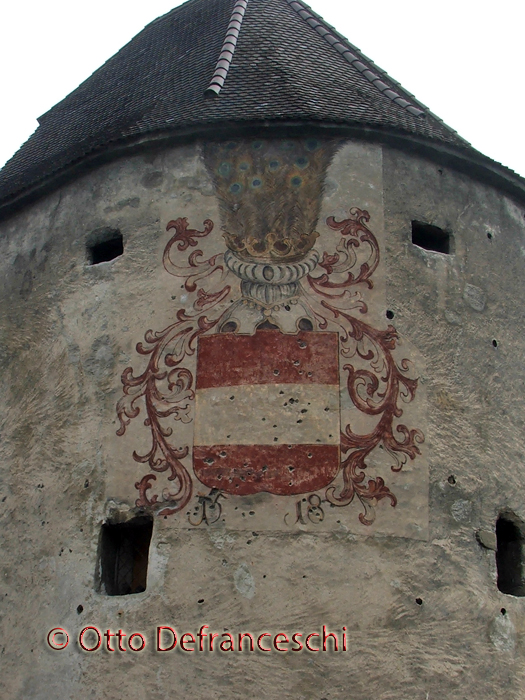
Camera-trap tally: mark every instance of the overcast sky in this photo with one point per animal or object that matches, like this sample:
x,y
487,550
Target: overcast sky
x,y
462,58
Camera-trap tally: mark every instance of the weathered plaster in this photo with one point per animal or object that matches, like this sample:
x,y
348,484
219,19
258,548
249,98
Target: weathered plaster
x,y
68,330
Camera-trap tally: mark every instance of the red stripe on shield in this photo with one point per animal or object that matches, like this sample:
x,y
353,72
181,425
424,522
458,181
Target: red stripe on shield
x,y
283,470
267,357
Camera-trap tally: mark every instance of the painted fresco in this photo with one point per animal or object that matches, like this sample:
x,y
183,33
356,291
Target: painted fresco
x,y
272,388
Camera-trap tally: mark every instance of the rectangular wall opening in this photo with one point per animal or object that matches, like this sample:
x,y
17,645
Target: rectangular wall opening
x,y
431,237
509,556
124,554
104,245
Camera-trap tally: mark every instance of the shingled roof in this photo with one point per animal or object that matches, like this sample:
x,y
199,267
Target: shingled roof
x,y
212,64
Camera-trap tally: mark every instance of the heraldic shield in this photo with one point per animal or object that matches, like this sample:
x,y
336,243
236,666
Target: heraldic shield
x,y
267,412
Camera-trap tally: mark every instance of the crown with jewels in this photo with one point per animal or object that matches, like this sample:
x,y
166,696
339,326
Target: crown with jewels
x,y
272,247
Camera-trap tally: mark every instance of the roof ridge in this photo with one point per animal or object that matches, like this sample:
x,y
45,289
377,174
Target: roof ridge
x,y
228,48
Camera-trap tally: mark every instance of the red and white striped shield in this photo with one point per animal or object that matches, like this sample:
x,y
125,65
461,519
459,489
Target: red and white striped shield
x,y
267,412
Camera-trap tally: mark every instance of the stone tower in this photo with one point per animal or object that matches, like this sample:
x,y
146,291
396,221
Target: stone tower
x,y
262,375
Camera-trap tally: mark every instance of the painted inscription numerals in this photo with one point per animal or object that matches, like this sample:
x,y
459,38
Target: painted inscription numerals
x,y
307,510
207,510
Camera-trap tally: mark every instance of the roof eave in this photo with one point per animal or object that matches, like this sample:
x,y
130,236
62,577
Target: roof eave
x,y
467,161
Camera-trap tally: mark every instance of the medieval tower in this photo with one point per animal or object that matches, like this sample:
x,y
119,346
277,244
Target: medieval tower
x,y
261,358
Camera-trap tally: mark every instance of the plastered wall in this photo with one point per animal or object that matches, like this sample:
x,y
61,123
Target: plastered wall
x,y
393,557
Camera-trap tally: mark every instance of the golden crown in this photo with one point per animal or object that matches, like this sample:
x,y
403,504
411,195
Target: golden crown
x,y
272,247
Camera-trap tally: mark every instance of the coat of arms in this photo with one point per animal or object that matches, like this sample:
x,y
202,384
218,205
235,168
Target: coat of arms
x,y
272,337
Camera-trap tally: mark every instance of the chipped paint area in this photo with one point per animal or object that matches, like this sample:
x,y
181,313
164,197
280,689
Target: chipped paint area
x,y
244,581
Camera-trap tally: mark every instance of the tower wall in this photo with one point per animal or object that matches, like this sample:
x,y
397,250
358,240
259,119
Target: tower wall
x,y
408,580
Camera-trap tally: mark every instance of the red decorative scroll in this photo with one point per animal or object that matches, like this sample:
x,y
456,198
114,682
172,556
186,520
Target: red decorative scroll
x,y
166,386
376,391
354,232
197,270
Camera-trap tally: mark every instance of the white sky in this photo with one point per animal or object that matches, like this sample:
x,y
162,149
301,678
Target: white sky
x,y
461,58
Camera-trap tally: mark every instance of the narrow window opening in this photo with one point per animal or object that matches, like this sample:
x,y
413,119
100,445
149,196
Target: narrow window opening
x,y
104,245
509,557
431,237
124,551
